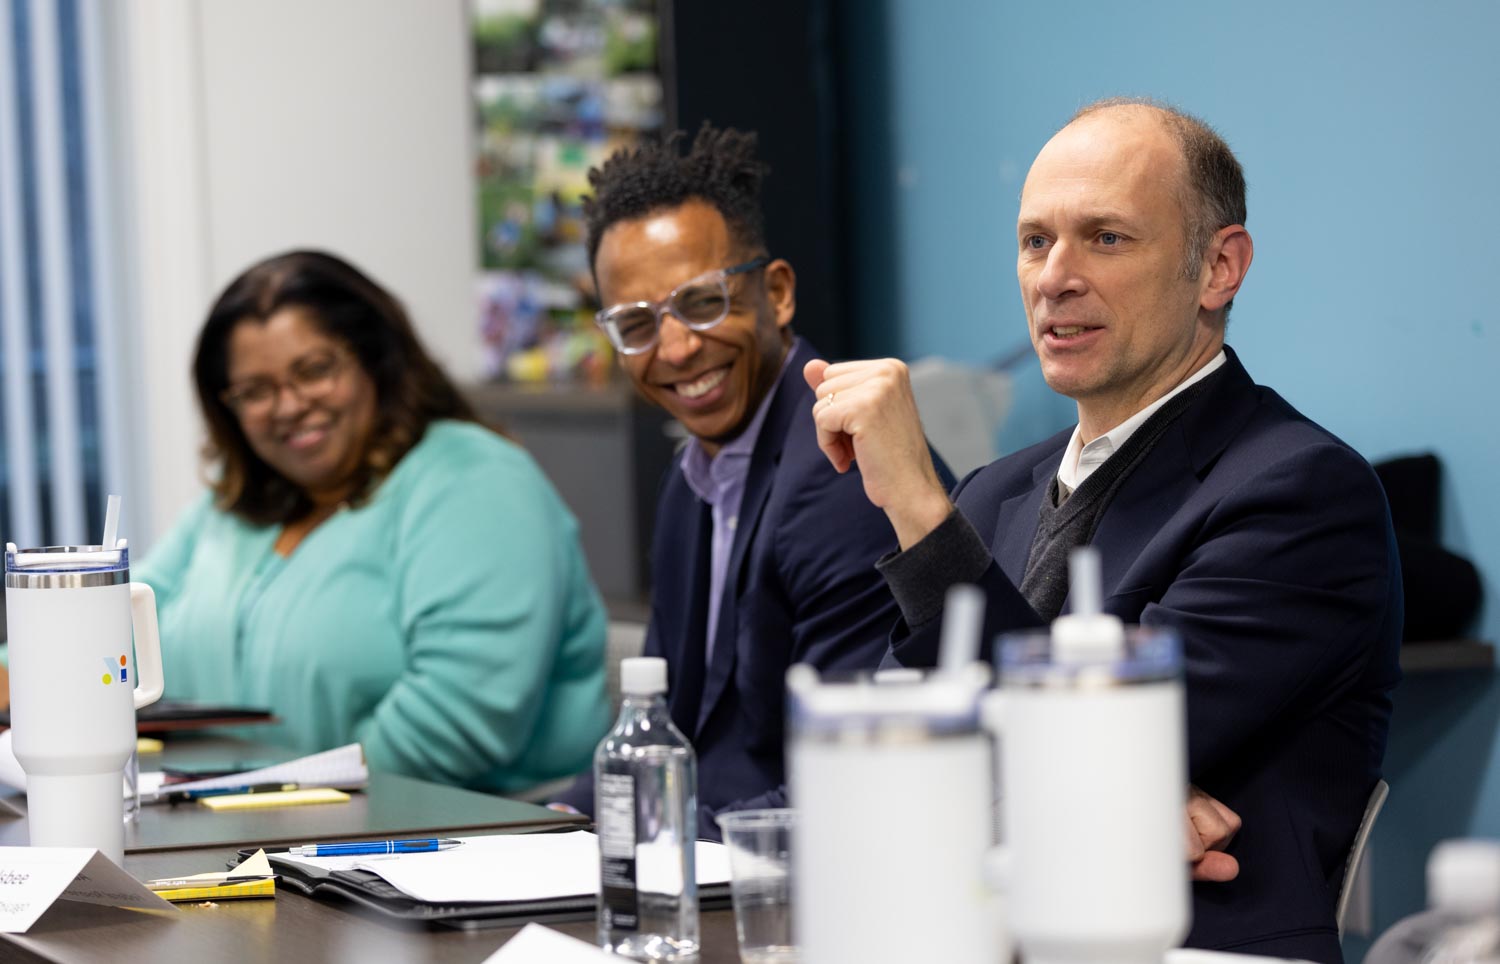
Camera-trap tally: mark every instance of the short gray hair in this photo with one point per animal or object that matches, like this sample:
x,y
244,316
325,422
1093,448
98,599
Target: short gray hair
x,y
1214,195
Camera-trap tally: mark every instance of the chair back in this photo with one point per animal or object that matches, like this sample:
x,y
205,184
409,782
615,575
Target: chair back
x,y
622,640
1357,852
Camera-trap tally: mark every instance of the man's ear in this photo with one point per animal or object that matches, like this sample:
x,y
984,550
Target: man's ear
x,y
781,291
1226,262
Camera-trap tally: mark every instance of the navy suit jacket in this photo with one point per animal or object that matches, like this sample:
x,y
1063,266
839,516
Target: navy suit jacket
x,y
1266,543
801,588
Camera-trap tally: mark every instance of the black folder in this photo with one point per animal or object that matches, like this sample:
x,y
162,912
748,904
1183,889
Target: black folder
x,y
374,892
165,715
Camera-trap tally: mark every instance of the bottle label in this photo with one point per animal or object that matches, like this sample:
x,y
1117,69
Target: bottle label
x,y
615,822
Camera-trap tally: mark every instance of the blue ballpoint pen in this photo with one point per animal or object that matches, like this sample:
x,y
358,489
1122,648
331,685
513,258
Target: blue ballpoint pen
x,y
362,848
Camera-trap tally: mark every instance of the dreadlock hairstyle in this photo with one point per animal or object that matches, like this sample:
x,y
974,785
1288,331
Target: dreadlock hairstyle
x,y
720,169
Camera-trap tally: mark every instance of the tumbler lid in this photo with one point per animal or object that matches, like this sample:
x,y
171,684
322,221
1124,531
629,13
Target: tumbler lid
x,y
66,567
66,559
900,708
1035,659
1463,876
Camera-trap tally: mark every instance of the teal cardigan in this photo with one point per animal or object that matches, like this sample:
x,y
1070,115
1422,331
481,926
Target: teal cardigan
x,y
449,624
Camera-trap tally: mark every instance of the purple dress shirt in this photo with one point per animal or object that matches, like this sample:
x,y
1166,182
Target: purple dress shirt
x,y
720,481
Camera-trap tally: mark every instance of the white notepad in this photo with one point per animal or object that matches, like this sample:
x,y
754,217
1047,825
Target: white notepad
x,y
342,768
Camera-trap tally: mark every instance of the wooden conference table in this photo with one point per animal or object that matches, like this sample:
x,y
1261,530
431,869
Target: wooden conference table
x,y
291,928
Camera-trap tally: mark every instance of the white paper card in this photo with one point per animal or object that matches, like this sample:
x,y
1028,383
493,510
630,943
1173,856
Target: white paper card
x,y
32,879
536,944
1193,956
11,773
507,867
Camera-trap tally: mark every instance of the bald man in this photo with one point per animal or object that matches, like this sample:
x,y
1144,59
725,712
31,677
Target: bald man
x,y
1219,511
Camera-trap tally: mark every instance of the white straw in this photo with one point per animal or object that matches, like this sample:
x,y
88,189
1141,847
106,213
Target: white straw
x,y
111,522
963,622
1084,580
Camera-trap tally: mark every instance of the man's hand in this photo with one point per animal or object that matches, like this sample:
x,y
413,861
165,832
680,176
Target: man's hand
x,y
1210,828
865,413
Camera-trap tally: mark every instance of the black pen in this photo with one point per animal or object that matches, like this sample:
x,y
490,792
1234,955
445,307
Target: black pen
x,y
183,796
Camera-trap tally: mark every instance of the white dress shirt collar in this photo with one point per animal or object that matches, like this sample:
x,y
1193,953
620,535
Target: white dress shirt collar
x,y
1079,460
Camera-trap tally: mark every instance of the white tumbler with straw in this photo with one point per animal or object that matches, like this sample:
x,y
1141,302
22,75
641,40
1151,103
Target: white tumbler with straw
x,y
892,783
74,686
1092,748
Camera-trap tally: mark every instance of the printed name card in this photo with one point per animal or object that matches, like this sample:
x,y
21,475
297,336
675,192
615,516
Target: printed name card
x,y
32,879
542,945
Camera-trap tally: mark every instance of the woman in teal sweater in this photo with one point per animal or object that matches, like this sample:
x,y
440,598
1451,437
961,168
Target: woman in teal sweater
x,y
371,563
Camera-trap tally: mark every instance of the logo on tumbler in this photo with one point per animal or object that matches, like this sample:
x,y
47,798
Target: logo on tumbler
x,y
109,670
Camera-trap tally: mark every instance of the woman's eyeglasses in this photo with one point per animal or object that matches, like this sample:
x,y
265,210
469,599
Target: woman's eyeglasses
x,y
700,303
310,379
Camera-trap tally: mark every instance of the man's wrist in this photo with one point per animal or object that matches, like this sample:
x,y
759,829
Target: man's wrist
x,y
915,518
919,577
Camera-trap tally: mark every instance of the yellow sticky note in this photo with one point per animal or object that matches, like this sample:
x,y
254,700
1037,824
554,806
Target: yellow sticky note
x,y
148,744
283,798
226,891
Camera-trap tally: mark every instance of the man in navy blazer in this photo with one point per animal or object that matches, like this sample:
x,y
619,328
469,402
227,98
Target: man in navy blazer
x,y
763,555
1218,510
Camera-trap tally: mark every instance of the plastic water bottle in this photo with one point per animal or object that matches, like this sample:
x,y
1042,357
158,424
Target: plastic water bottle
x,y
646,810
1463,924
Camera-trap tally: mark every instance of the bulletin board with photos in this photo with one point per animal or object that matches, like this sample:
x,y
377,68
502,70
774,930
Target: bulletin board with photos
x,y
558,86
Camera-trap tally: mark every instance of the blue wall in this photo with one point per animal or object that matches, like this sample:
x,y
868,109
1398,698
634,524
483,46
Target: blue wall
x,y
1371,144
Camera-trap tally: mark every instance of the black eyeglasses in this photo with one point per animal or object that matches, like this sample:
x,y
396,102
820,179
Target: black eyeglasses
x,y
700,303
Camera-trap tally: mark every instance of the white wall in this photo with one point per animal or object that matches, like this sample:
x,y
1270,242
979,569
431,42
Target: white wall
x,y
266,125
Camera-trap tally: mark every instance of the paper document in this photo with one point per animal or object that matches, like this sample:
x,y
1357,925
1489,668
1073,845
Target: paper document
x,y
256,865
506,867
342,768
252,878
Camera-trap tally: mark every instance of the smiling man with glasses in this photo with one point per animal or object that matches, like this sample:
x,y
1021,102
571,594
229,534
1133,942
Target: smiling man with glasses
x,y
763,555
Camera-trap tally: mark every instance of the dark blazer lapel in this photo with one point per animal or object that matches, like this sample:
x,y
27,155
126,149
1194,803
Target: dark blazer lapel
x,y
1145,502
792,398
1167,478
1227,404
689,583
1015,525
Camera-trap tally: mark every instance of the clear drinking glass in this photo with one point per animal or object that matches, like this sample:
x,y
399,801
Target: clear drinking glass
x,y
760,867
133,786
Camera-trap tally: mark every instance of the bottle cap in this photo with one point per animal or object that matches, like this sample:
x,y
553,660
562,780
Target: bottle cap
x,y
643,675
1463,876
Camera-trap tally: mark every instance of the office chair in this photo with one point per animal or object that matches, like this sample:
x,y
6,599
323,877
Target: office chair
x,y
622,640
1357,851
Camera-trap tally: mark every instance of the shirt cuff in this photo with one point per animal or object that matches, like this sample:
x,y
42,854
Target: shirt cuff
x,y
919,577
